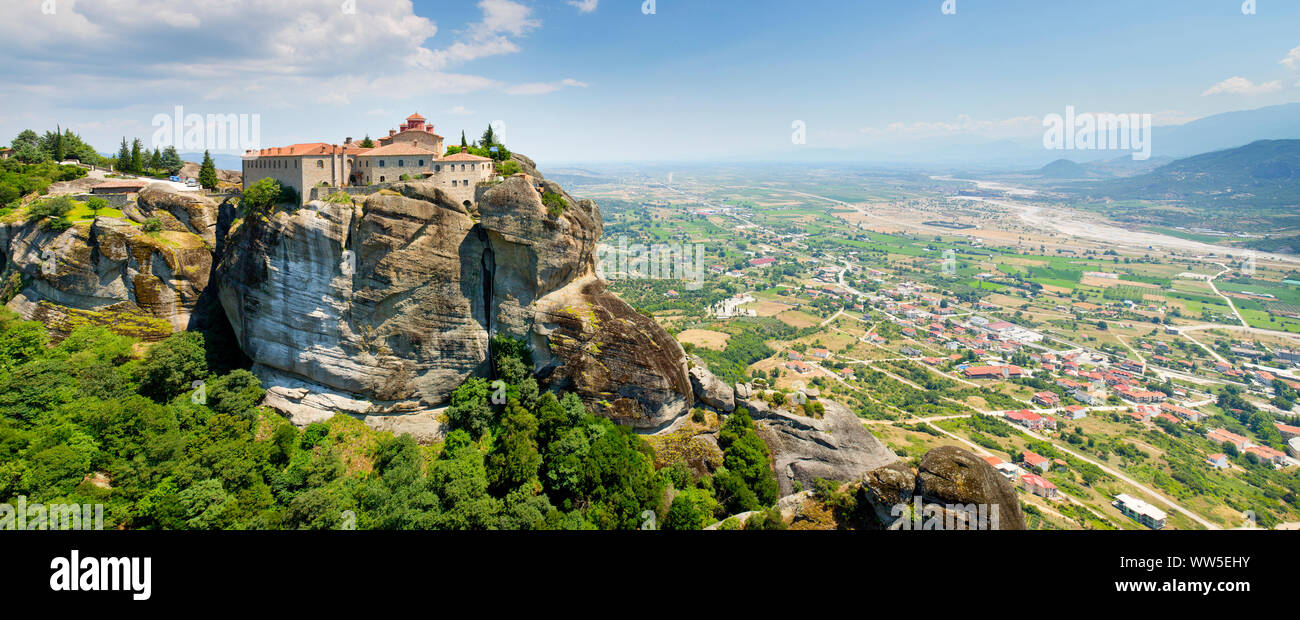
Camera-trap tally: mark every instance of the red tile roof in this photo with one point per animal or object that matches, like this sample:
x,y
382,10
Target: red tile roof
x,y
401,148
120,184
463,156
308,148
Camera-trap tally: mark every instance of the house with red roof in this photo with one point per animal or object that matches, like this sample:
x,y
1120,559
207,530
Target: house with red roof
x,y
1269,455
993,372
1047,399
1036,460
1038,485
1075,412
1219,435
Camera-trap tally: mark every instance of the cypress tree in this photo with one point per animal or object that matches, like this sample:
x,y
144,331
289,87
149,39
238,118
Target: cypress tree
x,y
123,156
208,172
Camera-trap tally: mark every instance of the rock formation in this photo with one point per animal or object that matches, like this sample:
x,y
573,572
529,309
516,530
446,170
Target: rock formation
x,y
835,446
108,271
709,390
949,478
383,308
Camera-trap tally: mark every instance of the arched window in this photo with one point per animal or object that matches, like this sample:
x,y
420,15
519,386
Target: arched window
x,y
381,163
437,167
400,163
381,179
421,163
320,163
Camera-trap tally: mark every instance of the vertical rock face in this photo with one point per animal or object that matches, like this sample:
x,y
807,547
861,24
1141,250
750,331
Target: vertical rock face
x,y
384,308
367,310
107,272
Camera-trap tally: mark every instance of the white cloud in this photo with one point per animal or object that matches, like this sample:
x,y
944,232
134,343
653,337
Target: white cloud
x,y
460,111
247,53
489,37
542,88
1292,60
585,6
1238,85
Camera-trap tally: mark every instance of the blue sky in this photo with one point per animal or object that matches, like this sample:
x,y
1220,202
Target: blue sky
x,y
697,79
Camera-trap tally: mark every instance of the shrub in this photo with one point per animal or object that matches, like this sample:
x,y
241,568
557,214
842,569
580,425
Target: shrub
x,y
509,168
266,194
153,225
54,207
555,203
56,224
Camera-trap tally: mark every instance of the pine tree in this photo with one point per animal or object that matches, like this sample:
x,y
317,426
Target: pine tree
x,y
367,143
172,161
489,138
208,172
123,157
464,146
137,159
59,153
156,162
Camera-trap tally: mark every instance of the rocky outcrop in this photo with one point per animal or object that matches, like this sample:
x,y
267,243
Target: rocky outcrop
x,y
709,390
383,309
835,447
108,272
951,475
181,211
940,495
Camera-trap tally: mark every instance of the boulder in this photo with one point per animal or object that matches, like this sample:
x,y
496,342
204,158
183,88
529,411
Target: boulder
x,y
190,211
709,390
835,447
952,476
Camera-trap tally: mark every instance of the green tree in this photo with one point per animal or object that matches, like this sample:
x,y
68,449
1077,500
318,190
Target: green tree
x,y
137,156
123,157
171,160
172,365
514,459
208,172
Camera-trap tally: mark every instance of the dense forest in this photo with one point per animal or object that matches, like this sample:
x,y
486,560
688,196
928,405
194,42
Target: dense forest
x,y
170,436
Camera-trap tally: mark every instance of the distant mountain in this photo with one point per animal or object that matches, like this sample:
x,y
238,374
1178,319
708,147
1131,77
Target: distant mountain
x,y
1258,183
1063,169
1228,130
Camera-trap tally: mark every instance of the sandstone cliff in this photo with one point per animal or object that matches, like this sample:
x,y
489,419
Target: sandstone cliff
x,y
110,272
382,308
